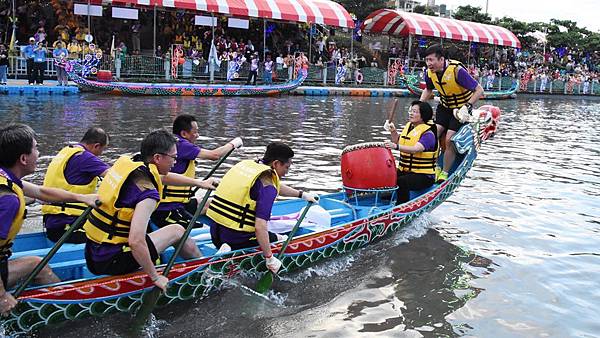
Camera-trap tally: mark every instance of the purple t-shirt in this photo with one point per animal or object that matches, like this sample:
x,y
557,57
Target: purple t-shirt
x,y
428,140
81,169
264,197
9,203
137,188
186,151
462,78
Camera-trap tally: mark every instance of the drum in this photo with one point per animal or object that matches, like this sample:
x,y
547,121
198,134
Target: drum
x,y
368,166
104,75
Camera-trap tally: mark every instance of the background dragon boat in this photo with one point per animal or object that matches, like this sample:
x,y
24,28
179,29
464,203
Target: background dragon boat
x,y
75,68
349,220
415,87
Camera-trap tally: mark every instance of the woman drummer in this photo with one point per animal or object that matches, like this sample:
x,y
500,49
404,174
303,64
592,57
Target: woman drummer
x,y
418,146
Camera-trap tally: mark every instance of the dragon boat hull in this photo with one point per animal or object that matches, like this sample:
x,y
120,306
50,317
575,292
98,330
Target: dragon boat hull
x,y
353,226
183,89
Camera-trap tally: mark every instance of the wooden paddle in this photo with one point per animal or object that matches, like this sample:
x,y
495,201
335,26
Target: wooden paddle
x,y
212,171
76,225
150,298
264,284
392,112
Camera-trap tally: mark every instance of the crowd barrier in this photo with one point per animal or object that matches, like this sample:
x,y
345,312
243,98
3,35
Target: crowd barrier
x,y
160,69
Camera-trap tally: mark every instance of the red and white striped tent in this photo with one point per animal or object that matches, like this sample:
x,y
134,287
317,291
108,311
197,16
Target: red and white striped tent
x,y
395,22
323,12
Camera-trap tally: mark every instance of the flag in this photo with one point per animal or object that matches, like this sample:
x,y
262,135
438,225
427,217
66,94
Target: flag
x,y
213,56
112,47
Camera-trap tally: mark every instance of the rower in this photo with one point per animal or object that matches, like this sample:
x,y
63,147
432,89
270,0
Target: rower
x,y
75,168
18,158
243,201
177,204
117,239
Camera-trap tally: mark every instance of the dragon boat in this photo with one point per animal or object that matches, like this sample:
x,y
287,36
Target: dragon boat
x,y
348,220
176,89
415,87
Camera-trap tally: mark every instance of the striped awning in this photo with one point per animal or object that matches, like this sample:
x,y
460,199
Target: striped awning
x,y
395,22
324,12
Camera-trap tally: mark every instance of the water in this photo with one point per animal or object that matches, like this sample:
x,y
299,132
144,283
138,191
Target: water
x,y
513,253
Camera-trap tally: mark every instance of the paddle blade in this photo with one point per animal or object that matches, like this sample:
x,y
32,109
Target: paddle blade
x,y
264,284
149,301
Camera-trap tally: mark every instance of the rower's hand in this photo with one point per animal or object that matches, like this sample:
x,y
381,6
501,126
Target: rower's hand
x,y
90,200
389,126
273,264
237,142
310,197
161,282
210,183
389,145
7,303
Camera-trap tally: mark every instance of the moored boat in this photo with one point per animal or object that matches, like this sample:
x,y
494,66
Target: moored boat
x,y
181,89
355,221
415,87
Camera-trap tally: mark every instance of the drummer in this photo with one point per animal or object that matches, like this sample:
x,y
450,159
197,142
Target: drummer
x,y
419,149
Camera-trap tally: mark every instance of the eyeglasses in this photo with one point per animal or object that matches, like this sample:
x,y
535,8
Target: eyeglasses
x,y
171,156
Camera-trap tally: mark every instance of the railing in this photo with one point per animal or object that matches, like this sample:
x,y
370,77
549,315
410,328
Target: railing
x,y
159,69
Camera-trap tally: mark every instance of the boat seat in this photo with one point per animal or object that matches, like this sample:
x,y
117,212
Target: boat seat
x,y
70,270
67,251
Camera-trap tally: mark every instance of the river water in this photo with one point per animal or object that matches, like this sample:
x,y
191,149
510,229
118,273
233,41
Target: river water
x,y
513,253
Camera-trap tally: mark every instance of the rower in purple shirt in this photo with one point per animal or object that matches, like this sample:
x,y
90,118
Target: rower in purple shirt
x,y
117,238
177,204
18,158
75,168
242,203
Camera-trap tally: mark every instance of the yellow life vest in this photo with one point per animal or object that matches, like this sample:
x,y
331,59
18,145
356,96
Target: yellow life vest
x,y
231,205
452,95
179,194
109,223
418,163
55,178
17,223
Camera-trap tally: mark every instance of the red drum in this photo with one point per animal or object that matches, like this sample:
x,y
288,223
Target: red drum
x,y
104,75
368,166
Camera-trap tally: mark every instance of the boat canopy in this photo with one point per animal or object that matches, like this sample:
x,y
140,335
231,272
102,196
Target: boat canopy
x,y
324,12
400,23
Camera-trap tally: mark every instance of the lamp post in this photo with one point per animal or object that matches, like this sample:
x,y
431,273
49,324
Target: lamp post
x,y
486,6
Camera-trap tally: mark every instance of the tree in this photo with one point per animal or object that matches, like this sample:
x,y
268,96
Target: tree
x,y
362,8
422,9
470,13
520,29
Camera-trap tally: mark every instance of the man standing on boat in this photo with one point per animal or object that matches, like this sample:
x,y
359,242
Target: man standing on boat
x,y
177,204
457,90
18,158
117,239
242,203
75,168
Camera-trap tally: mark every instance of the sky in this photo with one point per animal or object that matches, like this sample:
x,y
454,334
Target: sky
x,y
585,12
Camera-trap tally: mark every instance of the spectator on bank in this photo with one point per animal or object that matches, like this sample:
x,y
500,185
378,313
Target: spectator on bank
x,y
268,71
74,49
374,63
3,64
253,69
40,35
39,63
279,61
29,54
60,54
135,35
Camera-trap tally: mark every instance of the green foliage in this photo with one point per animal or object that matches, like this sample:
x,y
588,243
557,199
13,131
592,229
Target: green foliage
x,y
471,13
362,8
422,9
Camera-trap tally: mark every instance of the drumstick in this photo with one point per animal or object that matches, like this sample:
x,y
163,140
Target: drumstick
x,y
392,112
